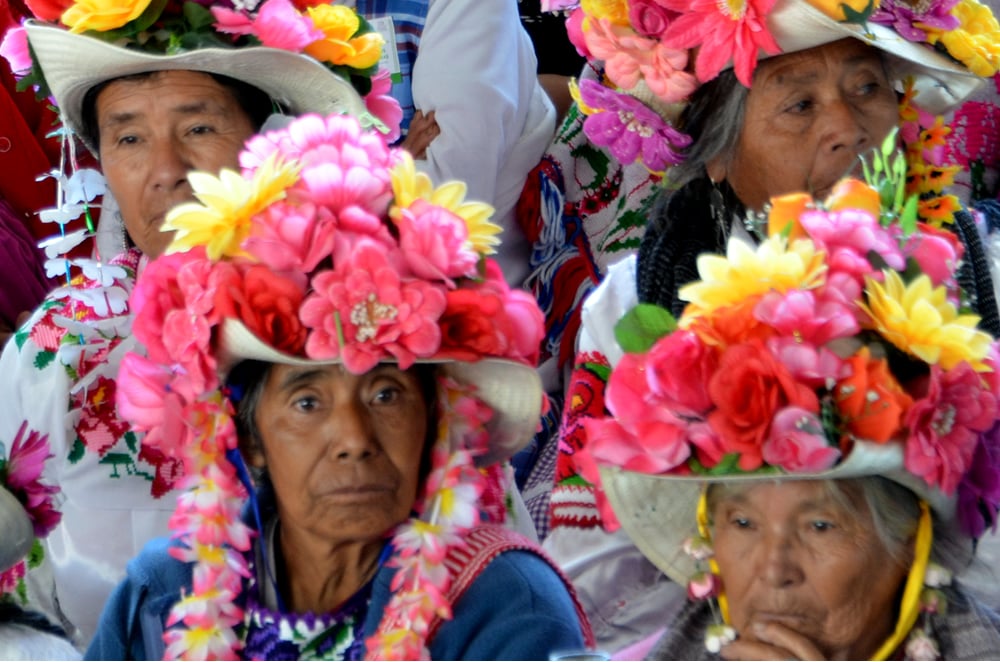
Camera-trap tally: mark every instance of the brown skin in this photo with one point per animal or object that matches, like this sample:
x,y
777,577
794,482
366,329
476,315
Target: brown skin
x,y
422,132
808,117
805,578
343,452
156,130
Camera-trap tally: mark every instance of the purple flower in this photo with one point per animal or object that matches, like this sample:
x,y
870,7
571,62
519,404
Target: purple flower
x,y
908,22
629,129
979,491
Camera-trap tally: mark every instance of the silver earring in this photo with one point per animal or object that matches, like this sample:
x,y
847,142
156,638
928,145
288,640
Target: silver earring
x,y
717,205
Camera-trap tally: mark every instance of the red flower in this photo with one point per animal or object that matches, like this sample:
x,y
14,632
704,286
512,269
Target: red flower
x,y
48,10
268,304
748,389
23,474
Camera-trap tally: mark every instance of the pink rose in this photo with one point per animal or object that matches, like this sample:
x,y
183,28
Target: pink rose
x,y
649,17
434,243
796,443
679,368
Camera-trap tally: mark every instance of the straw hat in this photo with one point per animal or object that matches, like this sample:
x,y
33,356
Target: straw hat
x,y
17,532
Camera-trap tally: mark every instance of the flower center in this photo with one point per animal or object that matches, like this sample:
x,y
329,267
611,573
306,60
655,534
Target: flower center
x,y
627,118
734,9
944,421
366,315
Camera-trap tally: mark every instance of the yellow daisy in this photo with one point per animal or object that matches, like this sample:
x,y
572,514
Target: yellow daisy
x,y
918,319
408,186
221,221
744,273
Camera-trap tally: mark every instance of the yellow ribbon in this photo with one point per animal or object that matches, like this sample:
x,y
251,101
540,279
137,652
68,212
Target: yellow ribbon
x,y
909,608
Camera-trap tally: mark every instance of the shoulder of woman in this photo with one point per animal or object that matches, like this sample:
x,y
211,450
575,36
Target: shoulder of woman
x,y
969,629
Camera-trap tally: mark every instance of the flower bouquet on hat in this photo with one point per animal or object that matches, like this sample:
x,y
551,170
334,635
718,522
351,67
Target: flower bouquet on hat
x,y
329,247
838,347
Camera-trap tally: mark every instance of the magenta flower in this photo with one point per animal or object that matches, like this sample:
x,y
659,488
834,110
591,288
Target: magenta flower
x,y
979,491
678,369
936,252
631,130
650,17
802,315
380,103
908,21
796,443
814,365
22,475
722,31
848,236
434,242
14,49
574,30
378,313
945,425
277,24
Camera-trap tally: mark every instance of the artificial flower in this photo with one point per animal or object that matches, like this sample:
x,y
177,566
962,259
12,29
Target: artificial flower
x,y
268,304
341,44
649,17
48,10
228,203
677,372
380,103
796,443
976,44
277,24
869,400
22,475
615,11
102,15
748,389
435,243
979,490
722,31
937,252
918,319
408,185
783,214
14,49
806,316
630,130
747,273
910,20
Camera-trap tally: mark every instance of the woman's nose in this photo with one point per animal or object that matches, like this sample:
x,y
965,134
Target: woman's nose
x,y
350,435
845,127
780,568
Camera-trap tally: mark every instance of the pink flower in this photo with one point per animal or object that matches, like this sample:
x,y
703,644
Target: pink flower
x,y
651,446
629,129
945,425
629,58
377,312
722,31
703,585
14,49
574,30
650,17
383,105
848,236
292,238
277,24
798,314
678,368
817,367
937,253
796,443
434,242
25,464
11,577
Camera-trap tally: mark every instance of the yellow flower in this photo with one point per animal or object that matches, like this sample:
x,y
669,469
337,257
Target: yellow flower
x,y
408,185
745,273
976,43
615,11
340,46
102,15
229,202
940,210
918,319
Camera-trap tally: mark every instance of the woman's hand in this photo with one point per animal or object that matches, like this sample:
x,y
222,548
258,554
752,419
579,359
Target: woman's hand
x,y
771,641
423,130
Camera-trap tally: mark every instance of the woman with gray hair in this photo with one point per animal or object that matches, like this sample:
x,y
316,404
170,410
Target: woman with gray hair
x,y
792,100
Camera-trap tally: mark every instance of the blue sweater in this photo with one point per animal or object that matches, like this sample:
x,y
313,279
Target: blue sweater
x,y
517,609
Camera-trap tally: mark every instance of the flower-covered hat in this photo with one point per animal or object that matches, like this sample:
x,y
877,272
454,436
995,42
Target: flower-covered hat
x,y
656,53
26,508
314,60
329,247
840,347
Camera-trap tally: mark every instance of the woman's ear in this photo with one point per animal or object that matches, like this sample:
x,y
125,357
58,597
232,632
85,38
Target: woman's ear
x,y
253,453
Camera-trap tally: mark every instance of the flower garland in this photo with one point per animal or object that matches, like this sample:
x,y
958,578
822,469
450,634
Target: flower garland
x,y
298,248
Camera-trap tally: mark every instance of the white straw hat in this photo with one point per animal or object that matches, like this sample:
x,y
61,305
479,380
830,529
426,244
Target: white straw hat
x,y
18,535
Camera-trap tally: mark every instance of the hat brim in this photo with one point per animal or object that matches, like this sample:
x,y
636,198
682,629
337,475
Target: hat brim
x,y
658,512
73,64
941,83
18,534
512,390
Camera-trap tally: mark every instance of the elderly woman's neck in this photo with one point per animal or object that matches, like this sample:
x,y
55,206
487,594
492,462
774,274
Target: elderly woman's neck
x,y
318,576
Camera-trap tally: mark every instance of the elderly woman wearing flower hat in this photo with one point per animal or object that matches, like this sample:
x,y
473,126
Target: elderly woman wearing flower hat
x,y
332,321
813,446
155,90
777,97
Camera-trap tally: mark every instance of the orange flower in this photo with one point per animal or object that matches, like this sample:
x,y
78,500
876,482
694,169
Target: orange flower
x,y
731,325
784,214
851,193
940,210
870,401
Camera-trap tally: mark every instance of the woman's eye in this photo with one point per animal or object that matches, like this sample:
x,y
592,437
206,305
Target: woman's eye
x,y
741,522
821,526
799,107
306,403
202,129
387,395
127,140
868,89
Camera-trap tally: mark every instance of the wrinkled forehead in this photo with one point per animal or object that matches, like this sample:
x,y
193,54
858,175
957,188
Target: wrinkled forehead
x,y
837,58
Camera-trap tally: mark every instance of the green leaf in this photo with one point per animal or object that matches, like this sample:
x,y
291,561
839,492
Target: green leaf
x,y
36,555
642,326
150,15
197,16
908,217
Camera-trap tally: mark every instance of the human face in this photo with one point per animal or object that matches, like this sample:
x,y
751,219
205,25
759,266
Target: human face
x,y
808,116
343,451
802,573
154,130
